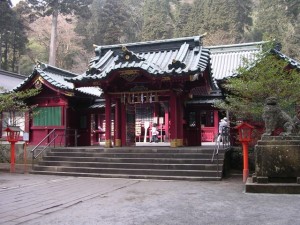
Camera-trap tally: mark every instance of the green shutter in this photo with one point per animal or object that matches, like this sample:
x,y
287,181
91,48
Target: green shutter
x,y
47,116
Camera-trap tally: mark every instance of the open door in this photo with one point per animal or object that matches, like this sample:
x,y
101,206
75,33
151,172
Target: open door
x,y
130,125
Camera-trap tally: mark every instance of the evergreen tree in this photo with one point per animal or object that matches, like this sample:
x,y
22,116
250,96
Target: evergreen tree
x,y
279,19
114,17
111,22
54,8
224,20
181,20
12,37
14,103
268,76
157,21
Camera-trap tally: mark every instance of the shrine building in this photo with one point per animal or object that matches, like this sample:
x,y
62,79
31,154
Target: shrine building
x,y
169,83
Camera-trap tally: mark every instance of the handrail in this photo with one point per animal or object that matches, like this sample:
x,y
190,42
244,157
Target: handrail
x,y
46,146
52,132
38,145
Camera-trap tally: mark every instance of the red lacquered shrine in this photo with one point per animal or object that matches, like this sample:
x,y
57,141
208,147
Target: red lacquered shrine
x,y
59,109
165,82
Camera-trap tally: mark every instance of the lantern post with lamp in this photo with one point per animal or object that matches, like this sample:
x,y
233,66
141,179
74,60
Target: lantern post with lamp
x,y
13,134
245,133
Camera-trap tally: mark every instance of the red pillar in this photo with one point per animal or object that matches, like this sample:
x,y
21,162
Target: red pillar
x,y
174,120
180,121
108,143
123,124
118,123
245,157
12,156
216,123
167,134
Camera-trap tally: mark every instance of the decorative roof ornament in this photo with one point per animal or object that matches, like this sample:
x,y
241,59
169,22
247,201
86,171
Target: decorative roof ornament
x,y
128,56
40,65
176,64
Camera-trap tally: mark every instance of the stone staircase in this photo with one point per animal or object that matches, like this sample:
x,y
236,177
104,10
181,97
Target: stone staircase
x,y
134,162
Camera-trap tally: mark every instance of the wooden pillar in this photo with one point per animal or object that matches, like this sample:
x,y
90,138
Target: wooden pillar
x,y
216,122
118,123
174,120
123,124
180,121
108,143
167,133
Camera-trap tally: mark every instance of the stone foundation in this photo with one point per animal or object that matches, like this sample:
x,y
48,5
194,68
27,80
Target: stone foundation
x,y
277,159
277,162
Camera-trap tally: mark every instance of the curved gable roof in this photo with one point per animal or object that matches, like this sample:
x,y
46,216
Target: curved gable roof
x,y
174,57
57,78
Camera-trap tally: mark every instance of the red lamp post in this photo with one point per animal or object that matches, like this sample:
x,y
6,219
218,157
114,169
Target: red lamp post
x,y
245,132
13,134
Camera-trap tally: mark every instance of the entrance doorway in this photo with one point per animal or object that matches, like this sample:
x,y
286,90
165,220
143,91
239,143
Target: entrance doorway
x,y
149,115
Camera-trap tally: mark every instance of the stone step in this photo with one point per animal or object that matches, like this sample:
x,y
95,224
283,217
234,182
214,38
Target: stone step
x,y
130,160
158,172
137,150
132,165
134,155
129,176
139,163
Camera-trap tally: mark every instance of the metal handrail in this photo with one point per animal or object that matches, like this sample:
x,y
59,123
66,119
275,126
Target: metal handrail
x,y
52,131
38,145
46,146
50,142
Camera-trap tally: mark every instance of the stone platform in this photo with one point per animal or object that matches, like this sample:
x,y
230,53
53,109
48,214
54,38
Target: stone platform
x,y
277,166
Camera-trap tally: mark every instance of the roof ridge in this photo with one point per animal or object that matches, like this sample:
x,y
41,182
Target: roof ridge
x,y
196,39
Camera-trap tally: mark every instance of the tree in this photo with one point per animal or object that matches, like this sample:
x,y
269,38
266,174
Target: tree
x,y
181,20
158,20
111,22
212,17
114,20
268,76
279,19
42,8
12,37
14,102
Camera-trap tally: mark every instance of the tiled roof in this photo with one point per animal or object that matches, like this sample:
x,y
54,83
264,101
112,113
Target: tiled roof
x,y
291,61
9,80
226,59
56,77
175,57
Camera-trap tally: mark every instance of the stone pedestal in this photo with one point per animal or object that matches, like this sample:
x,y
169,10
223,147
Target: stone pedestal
x,y
277,161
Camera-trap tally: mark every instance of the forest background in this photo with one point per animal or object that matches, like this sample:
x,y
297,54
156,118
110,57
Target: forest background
x,y
25,34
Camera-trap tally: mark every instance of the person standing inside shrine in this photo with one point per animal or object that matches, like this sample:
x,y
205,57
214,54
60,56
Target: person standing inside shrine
x,y
154,133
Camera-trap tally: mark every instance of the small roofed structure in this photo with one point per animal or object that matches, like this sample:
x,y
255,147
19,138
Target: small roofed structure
x,y
59,106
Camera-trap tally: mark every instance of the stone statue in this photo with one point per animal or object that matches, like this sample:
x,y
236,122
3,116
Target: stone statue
x,y
274,117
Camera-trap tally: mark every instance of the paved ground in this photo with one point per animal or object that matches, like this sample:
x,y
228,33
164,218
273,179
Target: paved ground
x,y
36,199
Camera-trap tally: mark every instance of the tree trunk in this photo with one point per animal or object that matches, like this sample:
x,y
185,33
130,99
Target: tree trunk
x,y
14,59
53,40
0,50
